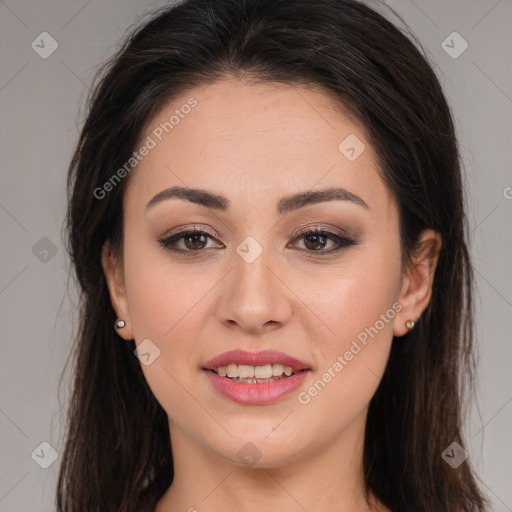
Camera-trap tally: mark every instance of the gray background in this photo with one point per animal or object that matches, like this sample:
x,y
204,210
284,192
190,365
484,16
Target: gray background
x,y
41,112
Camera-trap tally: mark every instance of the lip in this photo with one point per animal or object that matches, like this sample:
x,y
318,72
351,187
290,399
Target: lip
x,y
259,393
261,358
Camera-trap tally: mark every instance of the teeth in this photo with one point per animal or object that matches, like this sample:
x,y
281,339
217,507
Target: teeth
x,y
245,371
264,372
231,370
277,370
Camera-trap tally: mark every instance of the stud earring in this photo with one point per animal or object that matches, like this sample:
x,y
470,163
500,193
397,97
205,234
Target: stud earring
x,y
119,324
410,324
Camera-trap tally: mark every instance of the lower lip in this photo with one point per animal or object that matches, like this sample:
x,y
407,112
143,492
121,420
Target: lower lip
x,y
259,393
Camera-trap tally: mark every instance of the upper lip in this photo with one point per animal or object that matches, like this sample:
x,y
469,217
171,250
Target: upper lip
x,y
261,358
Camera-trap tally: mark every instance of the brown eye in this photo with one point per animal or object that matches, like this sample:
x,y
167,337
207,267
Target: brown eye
x,y
315,240
194,241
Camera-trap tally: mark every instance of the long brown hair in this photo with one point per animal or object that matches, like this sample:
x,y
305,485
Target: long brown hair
x,y
117,455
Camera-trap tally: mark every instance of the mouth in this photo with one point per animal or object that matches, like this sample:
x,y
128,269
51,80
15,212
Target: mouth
x,y
242,367
255,374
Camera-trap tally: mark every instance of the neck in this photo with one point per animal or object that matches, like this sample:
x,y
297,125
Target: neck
x,y
330,479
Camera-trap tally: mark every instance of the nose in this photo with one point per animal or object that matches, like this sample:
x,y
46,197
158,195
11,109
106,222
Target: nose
x,y
254,297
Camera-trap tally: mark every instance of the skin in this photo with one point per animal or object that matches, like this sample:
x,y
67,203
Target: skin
x,y
255,144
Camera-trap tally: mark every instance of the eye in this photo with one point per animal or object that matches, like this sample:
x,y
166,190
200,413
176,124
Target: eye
x,y
316,239
194,240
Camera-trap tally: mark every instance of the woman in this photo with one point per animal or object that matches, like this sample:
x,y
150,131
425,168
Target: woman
x,y
266,220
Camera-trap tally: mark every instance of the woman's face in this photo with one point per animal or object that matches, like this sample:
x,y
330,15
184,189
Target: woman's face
x,y
252,280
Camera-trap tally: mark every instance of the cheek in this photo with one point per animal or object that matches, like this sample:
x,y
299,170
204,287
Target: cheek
x,y
358,305
164,301
351,299
162,296
166,306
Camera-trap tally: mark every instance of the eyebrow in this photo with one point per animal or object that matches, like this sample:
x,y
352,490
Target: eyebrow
x,y
286,205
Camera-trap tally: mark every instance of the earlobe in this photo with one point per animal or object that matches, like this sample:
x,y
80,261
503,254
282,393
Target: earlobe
x,y
114,276
418,281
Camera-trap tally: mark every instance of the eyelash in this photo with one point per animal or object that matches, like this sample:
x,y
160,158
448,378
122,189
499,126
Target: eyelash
x,y
342,241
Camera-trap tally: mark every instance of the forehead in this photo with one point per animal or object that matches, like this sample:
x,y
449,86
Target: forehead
x,y
254,141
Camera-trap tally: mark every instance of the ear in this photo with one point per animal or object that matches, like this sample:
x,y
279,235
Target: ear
x,y
114,275
418,280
